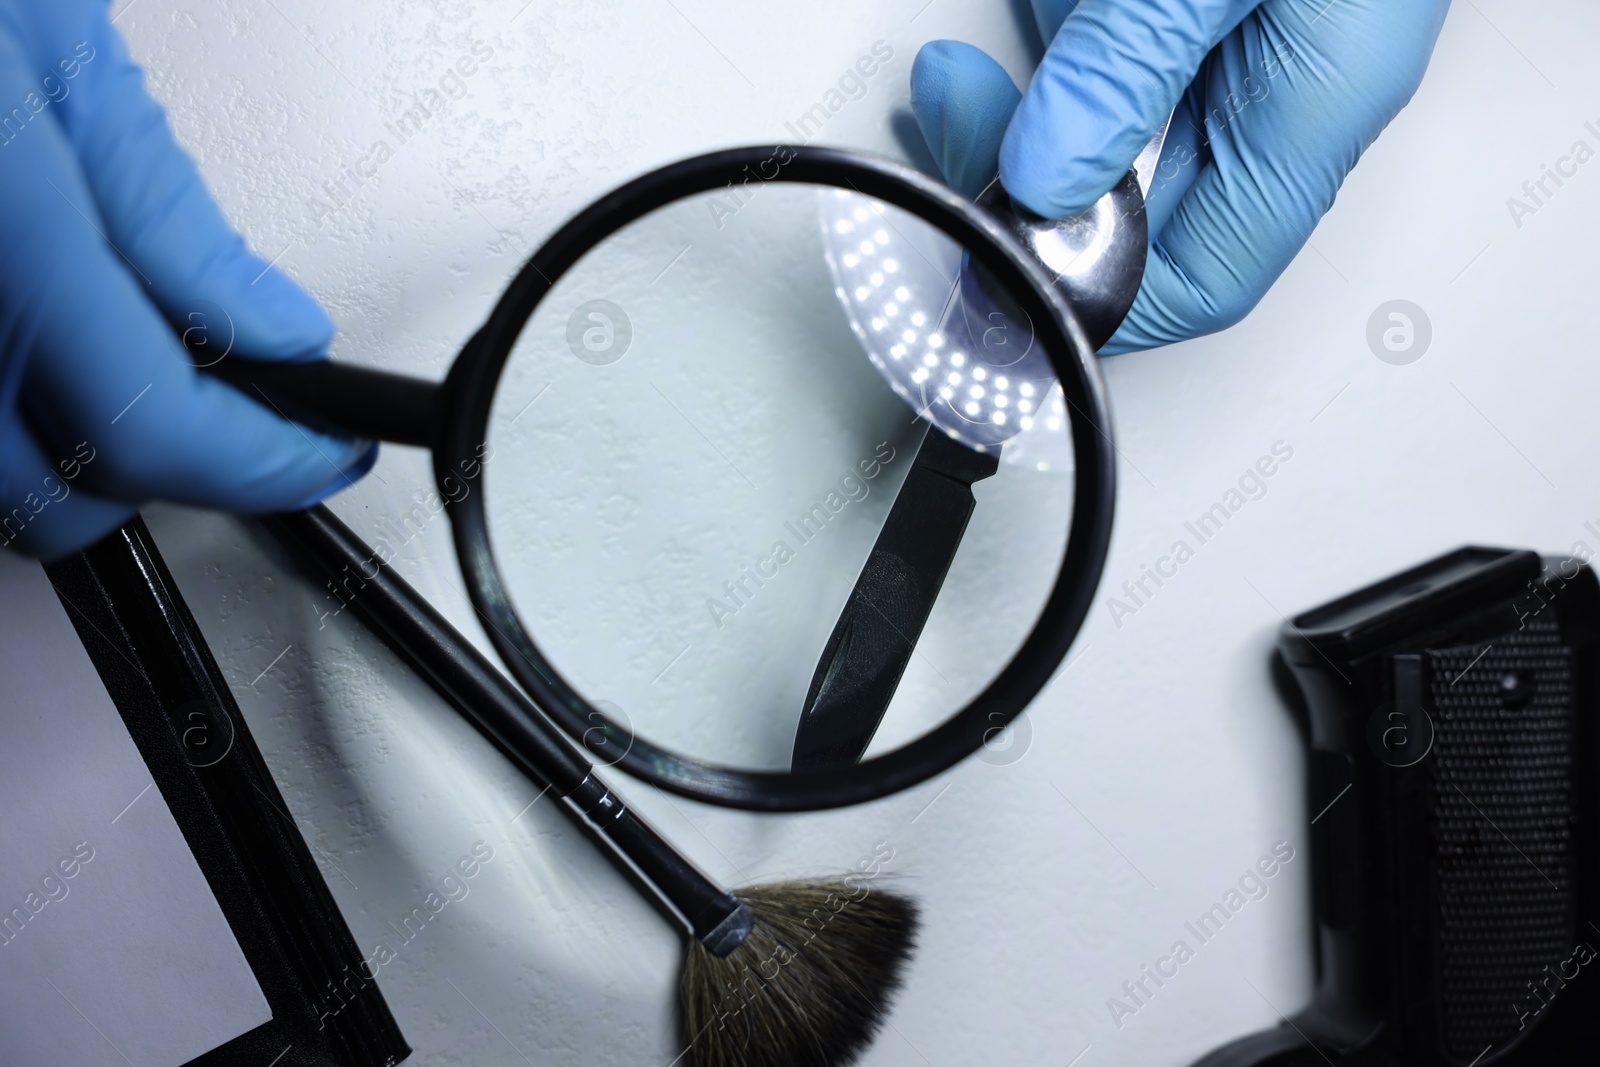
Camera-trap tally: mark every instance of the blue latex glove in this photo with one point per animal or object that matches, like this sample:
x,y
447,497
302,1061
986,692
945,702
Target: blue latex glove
x,y
1275,101
109,246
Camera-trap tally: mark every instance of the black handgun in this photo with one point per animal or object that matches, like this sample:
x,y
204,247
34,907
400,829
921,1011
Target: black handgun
x,y
1449,712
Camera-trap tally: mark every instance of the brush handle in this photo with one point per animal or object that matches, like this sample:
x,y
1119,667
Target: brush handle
x,y
411,627
720,920
461,674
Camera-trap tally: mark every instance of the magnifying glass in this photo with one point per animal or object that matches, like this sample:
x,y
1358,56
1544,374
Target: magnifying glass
x,y
705,533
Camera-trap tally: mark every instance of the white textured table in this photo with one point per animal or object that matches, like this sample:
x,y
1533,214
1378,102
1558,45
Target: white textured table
x,y
1158,768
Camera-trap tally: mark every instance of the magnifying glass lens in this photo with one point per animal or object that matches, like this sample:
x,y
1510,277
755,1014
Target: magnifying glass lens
x,y
776,477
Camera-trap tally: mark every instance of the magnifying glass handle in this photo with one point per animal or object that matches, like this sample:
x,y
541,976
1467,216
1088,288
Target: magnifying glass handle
x,y
339,398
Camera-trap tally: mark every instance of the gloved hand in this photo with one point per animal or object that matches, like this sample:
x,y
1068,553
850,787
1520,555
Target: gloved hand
x,y
110,246
1275,99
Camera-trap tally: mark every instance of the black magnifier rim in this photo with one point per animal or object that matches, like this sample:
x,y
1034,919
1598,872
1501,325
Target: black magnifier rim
x,y
469,401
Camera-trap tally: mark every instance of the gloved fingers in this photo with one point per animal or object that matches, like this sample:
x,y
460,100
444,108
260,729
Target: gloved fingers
x,y
1111,74
1048,15
158,213
1183,155
1170,181
1288,107
99,364
44,509
1258,179
962,100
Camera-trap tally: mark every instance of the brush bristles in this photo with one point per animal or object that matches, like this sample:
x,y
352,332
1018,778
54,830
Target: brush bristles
x,y
811,984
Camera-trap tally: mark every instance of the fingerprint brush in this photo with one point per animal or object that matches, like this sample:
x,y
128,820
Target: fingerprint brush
x,y
790,974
